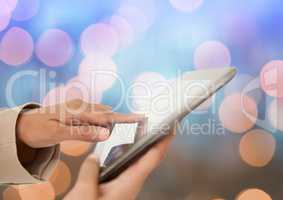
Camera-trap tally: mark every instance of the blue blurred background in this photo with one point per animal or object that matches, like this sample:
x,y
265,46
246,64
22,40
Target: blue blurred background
x,y
154,39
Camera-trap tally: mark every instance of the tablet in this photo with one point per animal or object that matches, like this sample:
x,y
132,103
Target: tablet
x,y
184,95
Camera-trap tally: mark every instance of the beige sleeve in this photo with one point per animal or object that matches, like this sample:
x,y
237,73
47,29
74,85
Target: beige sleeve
x,y
12,170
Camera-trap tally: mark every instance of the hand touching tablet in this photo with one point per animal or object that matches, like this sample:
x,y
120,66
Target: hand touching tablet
x,y
126,186
73,120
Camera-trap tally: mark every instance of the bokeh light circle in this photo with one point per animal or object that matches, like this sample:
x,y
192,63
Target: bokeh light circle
x,y
25,10
98,72
271,78
257,148
241,83
16,47
149,95
148,79
212,54
54,96
253,194
54,48
147,84
238,113
123,29
7,6
43,191
74,89
77,89
275,114
61,178
148,8
75,148
4,21
186,5
136,17
99,38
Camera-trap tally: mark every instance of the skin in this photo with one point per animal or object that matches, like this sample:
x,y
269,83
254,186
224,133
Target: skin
x,y
126,186
78,120
74,120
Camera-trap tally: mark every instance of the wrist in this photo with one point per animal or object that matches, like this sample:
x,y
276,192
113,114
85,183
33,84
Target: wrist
x,y
26,153
24,125
21,128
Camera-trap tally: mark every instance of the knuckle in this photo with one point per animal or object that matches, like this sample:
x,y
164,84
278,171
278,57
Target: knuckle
x,y
77,103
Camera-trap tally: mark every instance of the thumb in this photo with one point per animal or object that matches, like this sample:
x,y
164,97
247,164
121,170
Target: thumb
x,y
89,171
87,183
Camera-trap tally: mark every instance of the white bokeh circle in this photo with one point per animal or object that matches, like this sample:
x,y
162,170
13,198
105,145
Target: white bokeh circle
x,y
99,38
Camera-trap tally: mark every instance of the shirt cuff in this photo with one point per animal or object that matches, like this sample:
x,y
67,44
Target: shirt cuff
x,y
12,170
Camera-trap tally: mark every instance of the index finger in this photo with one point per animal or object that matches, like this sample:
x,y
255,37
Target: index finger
x,y
125,118
110,118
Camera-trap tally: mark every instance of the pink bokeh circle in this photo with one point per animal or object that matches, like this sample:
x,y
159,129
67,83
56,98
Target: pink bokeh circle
x,y
54,96
74,89
212,54
257,148
136,17
238,113
16,47
253,193
77,89
271,78
99,38
4,21
25,10
147,8
54,48
186,5
7,6
123,29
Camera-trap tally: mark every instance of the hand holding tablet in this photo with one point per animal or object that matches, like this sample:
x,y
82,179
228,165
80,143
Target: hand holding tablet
x,y
186,94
